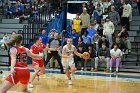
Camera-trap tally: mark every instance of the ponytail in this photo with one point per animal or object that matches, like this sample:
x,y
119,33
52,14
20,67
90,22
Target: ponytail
x,y
17,40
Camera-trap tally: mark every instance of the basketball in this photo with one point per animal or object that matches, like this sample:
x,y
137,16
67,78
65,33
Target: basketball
x,y
85,55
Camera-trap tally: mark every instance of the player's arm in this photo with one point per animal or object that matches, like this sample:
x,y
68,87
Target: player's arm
x,y
35,56
13,52
64,54
49,49
76,53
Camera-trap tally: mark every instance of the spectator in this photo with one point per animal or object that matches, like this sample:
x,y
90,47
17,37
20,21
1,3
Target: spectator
x,y
138,3
103,40
84,5
12,35
90,8
108,30
105,13
45,40
26,14
8,11
74,37
124,36
121,44
44,37
80,42
85,18
114,17
97,13
92,53
76,24
86,38
103,55
116,55
92,29
79,62
106,4
6,37
127,10
94,25
95,39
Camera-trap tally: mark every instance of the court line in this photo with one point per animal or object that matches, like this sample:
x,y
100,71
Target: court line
x,y
89,74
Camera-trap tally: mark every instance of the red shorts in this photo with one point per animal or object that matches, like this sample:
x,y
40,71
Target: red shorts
x,y
22,75
39,63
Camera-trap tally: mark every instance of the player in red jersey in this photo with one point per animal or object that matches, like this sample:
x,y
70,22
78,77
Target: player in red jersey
x,y
19,71
39,69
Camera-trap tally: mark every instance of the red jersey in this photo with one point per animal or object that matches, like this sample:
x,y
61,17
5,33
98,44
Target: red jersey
x,y
36,49
21,59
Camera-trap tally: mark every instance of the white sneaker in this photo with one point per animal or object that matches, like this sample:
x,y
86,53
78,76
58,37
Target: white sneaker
x,y
73,76
3,76
30,85
70,82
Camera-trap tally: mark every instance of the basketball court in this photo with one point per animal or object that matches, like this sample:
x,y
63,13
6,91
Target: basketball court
x,y
85,82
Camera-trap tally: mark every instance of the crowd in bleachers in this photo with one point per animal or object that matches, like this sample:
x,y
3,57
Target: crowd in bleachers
x,y
100,28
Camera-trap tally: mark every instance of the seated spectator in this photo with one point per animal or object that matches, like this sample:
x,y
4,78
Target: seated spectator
x,y
95,39
120,43
94,25
124,36
92,53
103,40
86,38
26,14
74,37
79,62
103,56
116,55
80,42
6,38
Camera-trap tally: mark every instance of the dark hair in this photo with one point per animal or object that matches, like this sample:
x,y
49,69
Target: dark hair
x,y
80,38
104,44
17,40
13,32
36,37
124,28
104,36
115,44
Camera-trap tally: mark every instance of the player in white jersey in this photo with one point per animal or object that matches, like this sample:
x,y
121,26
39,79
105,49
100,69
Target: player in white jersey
x,y
68,52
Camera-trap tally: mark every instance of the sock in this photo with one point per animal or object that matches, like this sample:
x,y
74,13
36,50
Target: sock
x,y
117,69
110,69
72,72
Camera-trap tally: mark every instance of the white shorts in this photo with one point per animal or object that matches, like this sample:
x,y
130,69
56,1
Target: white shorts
x,y
67,63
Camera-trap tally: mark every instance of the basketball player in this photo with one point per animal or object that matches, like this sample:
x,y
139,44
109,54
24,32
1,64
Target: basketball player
x,y
19,71
38,65
68,52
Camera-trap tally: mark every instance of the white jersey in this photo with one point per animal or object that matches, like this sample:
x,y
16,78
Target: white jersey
x,y
68,61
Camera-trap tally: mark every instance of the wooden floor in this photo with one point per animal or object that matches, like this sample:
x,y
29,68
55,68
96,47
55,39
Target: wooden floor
x,y
58,83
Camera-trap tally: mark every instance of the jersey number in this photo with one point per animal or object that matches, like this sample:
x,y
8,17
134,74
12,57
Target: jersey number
x,y
22,57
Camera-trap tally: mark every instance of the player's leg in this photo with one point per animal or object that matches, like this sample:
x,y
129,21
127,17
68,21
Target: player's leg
x,y
36,70
24,88
72,68
6,86
66,68
68,75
